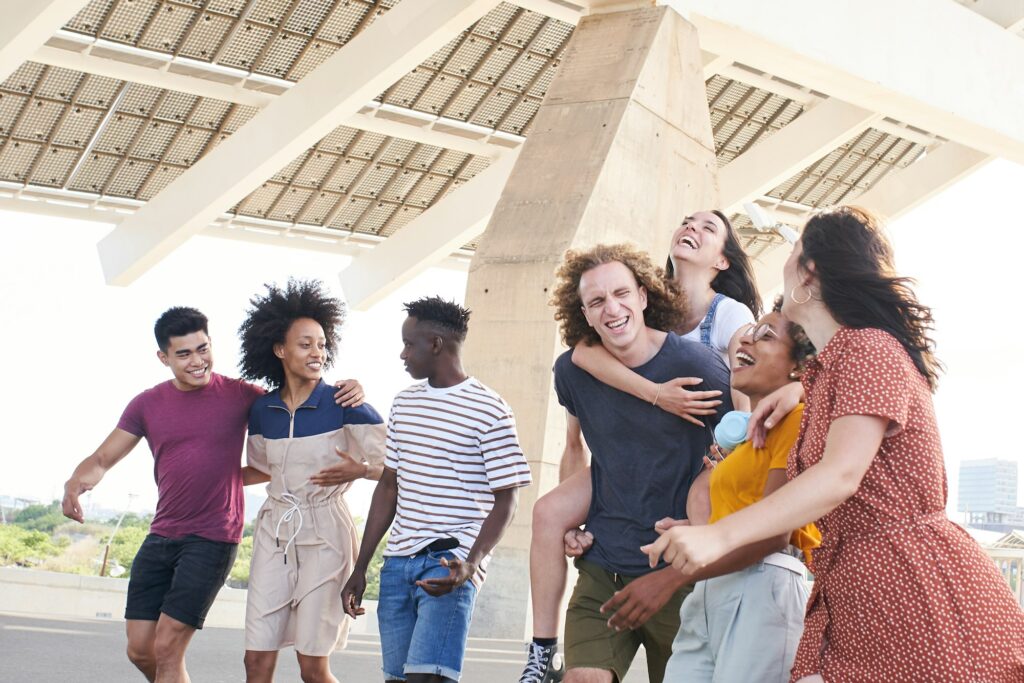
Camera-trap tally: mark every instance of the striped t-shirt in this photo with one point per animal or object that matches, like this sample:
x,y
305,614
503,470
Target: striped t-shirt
x,y
451,449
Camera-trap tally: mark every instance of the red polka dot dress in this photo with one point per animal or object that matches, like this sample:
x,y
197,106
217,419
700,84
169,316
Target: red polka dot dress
x,y
900,593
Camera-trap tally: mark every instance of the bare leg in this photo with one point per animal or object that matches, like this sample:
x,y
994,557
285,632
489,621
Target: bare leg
x,y
141,634
561,509
172,639
315,669
259,665
588,676
424,678
816,678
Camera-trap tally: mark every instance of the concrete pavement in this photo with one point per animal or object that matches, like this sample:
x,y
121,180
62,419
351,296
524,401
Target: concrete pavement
x,y
92,651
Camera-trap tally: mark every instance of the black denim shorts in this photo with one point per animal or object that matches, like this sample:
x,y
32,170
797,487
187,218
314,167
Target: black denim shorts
x,y
179,577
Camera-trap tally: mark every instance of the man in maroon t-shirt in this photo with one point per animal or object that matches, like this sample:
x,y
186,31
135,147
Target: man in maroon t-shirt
x,y
195,426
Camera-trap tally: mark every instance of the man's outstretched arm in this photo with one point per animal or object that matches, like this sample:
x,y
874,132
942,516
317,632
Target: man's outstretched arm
x,y
91,470
382,513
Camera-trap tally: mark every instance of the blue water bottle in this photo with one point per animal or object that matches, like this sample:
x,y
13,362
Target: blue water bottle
x,y
732,430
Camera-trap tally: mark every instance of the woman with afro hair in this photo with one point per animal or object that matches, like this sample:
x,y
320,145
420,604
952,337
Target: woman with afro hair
x,y
310,449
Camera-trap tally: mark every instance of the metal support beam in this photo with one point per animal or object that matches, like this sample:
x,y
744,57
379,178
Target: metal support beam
x,y
890,198
778,158
389,48
568,12
915,78
82,206
908,72
897,194
427,239
27,25
1006,13
372,117
152,74
811,99
908,187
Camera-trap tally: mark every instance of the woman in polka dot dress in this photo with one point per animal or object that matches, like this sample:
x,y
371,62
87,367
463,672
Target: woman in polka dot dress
x,y
901,593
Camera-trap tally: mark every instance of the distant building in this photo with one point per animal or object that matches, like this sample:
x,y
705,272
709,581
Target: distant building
x,y
1007,551
11,506
988,494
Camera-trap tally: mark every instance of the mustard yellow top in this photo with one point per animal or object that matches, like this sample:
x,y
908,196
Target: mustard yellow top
x,y
738,481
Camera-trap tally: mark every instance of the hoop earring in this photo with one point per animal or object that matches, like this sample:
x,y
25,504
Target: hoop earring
x,y
792,295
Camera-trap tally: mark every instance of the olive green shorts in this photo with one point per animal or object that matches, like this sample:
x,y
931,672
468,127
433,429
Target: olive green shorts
x,y
589,643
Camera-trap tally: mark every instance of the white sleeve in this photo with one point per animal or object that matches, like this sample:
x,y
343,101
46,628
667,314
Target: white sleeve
x,y
256,453
730,316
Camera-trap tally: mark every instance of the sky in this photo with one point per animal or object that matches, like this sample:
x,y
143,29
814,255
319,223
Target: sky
x,y
76,350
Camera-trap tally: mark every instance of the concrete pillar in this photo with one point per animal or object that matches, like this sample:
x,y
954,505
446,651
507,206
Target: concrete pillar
x,y
620,150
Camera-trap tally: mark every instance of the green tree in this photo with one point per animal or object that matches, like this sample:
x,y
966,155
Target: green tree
x,y
132,520
24,547
373,571
43,518
125,545
239,576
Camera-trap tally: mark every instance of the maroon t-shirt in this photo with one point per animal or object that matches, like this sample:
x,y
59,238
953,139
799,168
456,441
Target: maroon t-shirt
x,y
196,438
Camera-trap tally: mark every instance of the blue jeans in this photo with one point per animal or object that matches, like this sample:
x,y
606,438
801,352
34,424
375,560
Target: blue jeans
x,y
418,632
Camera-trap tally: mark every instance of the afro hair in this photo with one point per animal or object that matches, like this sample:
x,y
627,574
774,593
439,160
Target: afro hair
x,y
271,315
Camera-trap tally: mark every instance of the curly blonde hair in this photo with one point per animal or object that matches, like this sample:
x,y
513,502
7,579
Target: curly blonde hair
x,y
665,302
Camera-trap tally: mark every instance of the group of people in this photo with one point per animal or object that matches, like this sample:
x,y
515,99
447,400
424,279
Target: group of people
x,y
448,466
842,471
682,545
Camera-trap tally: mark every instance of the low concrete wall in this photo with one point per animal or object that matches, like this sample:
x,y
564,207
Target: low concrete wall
x,y
50,594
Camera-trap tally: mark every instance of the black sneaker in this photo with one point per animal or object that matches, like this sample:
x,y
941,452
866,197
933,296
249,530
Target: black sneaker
x,y
543,664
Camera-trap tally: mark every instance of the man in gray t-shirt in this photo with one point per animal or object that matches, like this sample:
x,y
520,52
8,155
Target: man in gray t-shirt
x,y
643,458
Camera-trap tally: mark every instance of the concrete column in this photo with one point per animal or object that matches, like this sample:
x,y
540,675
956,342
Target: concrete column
x,y
620,150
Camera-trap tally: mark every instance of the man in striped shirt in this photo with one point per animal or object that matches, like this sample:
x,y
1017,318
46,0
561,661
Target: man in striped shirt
x,y
451,479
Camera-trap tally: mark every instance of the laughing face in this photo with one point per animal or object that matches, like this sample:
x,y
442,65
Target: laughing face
x,y
304,351
613,304
190,358
764,359
699,241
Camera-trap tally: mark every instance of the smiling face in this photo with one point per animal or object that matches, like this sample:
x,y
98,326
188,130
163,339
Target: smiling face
x,y
764,365
613,304
699,242
190,358
304,351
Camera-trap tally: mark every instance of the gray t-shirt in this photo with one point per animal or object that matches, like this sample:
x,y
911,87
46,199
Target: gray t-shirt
x,y
643,458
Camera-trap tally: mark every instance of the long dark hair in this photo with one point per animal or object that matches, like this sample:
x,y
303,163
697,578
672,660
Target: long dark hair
x,y
854,264
737,281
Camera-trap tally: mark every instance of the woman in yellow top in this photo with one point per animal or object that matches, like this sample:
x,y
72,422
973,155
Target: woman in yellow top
x,y
743,620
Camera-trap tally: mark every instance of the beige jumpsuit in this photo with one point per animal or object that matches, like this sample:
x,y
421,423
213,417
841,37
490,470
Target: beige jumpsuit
x,y
305,541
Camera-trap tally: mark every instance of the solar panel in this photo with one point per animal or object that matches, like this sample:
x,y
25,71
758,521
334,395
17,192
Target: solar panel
x,y
58,129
